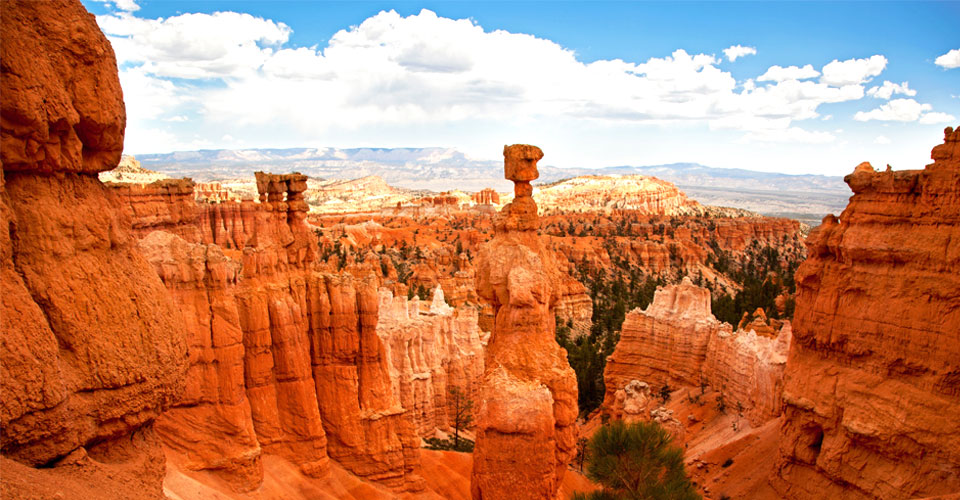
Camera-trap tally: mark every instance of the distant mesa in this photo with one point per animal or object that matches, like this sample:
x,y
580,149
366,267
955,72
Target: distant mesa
x,y
129,170
645,194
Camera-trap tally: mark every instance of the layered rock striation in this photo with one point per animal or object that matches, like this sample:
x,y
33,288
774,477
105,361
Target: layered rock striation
x,y
284,359
647,195
486,196
432,351
93,347
677,341
871,392
528,396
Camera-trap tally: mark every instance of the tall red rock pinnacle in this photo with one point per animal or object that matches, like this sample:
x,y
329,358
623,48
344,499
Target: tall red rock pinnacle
x,y
93,347
872,384
528,395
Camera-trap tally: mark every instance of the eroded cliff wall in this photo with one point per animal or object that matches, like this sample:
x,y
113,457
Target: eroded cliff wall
x,y
678,341
432,351
93,348
871,392
284,359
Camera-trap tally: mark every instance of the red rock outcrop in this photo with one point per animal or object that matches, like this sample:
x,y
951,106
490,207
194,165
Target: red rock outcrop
x,y
431,351
212,423
214,192
871,391
677,341
93,349
528,397
285,360
667,342
165,205
486,196
747,368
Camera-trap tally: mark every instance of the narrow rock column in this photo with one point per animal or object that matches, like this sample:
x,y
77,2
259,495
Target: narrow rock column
x,y
528,396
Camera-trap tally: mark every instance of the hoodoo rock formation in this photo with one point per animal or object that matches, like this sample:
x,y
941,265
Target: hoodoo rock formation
x,y
431,351
677,340
93,348
528,395
486,196
284,360
872,385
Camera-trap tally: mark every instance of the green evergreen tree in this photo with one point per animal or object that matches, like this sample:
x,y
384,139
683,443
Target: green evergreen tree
x,y
636,462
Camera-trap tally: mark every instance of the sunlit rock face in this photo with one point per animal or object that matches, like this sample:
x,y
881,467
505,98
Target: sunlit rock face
x,y
528,396
646,195
431,350
677,341
284,359
93,349
871,393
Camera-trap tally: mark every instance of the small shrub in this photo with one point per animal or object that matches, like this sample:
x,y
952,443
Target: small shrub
x,y
464,446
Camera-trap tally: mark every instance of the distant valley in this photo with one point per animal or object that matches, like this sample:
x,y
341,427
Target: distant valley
x,y
804,197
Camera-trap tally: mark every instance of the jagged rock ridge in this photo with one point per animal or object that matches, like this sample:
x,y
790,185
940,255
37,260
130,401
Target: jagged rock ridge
x,y
677,341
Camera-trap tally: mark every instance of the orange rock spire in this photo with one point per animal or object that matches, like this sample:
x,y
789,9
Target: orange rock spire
x,y
528,396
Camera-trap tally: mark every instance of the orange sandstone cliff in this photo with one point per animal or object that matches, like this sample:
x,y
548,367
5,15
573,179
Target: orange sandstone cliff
x,y
677,341
93,347
528,396
284,360
872,388
432,350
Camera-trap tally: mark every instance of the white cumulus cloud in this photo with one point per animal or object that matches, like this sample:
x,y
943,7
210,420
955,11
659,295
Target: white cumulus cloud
x,y
936,117
900,110
736,51
233,72
950,60
778,74
881,139
888,89
192,46
853,71
124,5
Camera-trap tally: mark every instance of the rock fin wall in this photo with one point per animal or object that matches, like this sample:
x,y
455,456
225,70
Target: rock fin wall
x,y
871,391
284,359
678,341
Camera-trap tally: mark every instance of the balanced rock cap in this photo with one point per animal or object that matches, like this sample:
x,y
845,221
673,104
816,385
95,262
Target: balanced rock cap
x,y
520,162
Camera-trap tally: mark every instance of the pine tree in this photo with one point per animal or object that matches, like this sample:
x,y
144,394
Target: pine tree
x,y
462,407
636,462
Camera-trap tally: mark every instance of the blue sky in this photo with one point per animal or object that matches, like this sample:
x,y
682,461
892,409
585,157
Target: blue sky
x,y
804,87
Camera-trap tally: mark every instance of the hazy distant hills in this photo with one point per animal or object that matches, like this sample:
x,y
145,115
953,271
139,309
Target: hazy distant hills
x,y
805,197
